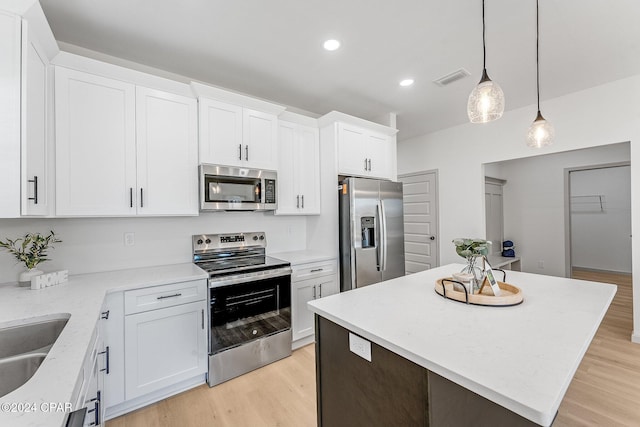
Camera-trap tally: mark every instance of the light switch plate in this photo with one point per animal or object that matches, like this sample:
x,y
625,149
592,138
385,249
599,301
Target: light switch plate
x,y
360,346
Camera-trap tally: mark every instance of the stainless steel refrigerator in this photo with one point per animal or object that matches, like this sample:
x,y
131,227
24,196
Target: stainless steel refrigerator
x,y
371,232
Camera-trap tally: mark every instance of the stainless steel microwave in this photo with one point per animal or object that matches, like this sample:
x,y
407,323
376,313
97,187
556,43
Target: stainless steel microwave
x,y
225,188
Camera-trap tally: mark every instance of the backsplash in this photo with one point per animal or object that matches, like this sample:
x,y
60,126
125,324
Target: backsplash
x,y
97,244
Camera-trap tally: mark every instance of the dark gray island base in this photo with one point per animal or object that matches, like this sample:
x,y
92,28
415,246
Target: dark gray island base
x,y
392,391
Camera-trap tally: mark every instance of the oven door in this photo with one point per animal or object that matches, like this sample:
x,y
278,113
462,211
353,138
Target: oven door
x,y
247,311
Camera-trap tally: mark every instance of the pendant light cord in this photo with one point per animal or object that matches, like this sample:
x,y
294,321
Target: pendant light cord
x,y
484,48
538,54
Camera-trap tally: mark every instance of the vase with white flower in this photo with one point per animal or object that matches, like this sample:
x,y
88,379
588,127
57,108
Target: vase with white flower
x,y
31,249
472,250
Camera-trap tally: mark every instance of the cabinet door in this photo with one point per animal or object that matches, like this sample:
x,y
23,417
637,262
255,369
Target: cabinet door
x,y
260,143
309,169
9,115
167,153
95,145
327,285
164,347
34,126
378,154
288,195
112,322
220,133
302,319
351,150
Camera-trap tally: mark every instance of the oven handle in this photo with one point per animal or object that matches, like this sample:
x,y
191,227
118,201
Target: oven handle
x,y
244,278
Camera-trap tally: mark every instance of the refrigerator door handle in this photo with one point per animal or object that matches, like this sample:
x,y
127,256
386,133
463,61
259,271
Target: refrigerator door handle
x,y
383,240
380,243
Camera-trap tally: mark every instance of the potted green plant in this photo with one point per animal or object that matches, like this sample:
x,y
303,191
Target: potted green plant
x,y
472,250
31,250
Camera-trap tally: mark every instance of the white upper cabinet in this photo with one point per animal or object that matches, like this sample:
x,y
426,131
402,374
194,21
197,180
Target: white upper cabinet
x,y
237,130
167,153
35,113
363,152
260,138
95,145
24,141
298,169
123,149
10,54
220,133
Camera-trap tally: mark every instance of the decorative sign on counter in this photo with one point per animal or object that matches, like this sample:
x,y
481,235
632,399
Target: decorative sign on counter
x,y
49,279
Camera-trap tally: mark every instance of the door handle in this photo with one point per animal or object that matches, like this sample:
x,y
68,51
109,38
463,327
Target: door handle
x,y
203,318
35,190
320,286
106,360
379,233
384,236
239,151
314,291
246,152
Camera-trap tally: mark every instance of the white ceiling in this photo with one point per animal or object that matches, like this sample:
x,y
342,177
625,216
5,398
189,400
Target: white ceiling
x,y
272,49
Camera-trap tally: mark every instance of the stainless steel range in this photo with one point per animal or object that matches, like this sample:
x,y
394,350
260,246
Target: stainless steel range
x,y
250,303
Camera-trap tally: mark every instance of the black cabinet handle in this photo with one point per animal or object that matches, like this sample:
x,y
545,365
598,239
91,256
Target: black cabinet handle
x,y
369,165
141,198
298,201
169,296
130,197
106,360
105,315
315,270
303,201
246,152
35,190
202,318
365,164
239,151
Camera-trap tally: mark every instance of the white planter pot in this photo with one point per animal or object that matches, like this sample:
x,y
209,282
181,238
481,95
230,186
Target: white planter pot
x,y
24,279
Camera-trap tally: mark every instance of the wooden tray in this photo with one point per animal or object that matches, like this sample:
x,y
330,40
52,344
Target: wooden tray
x,y
511,295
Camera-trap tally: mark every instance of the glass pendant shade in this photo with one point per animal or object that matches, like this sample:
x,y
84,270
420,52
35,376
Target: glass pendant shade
x,y
540,133
486,101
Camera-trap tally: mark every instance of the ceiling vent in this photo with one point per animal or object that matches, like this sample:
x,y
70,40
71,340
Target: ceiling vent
x,y
451,77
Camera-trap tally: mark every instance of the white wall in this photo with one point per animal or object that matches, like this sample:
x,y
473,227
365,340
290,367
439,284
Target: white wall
x,y
97,244
534,203
601,238
598,116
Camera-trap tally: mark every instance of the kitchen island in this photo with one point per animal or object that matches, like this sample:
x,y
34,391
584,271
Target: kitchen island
x,y
397,352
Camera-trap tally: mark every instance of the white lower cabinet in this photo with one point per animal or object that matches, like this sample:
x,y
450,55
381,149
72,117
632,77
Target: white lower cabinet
x,y
310,281
163,347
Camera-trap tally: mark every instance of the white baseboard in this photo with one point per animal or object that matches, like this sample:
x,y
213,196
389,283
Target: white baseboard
x,y
302,342
635,337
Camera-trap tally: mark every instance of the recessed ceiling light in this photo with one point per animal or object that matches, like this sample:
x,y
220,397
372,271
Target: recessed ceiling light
x,y
406,82
331,44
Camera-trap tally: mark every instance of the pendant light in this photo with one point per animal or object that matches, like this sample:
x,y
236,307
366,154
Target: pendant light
x,y
486,101
541,132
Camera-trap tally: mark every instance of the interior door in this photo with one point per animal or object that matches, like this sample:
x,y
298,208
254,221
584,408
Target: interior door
x,y
420,220
393,230
494,216
365,202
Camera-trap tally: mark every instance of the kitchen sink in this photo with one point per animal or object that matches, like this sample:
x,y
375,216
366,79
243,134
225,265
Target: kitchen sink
x,y
24,347
35,336
17,370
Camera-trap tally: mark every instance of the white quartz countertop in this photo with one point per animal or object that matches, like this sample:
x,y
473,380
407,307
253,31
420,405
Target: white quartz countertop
x,y
304,257
81,297
521,357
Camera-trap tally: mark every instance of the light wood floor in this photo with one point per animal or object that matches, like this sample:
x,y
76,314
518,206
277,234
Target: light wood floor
x,y
604,392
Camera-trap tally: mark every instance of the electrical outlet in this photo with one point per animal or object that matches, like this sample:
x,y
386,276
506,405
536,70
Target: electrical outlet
x,y
360,346
541,265
129,239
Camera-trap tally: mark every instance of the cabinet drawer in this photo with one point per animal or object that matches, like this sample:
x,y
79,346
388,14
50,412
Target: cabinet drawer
x,y
315,269
145,299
